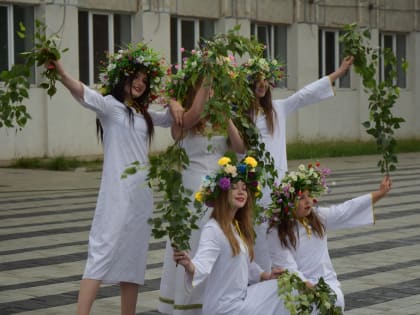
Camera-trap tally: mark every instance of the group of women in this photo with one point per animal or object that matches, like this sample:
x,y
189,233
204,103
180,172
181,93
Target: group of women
x,y
230,260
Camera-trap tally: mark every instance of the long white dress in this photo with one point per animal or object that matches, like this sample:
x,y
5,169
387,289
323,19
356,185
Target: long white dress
x,y
311,260
203,154
119,236
276,144
227,277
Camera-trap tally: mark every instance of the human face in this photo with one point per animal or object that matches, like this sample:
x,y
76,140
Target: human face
x,y
238,195
261,88
305,204
138,86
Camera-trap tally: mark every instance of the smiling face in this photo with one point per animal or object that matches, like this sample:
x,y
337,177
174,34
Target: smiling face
x,y
137,86
305,204
238,195
261,88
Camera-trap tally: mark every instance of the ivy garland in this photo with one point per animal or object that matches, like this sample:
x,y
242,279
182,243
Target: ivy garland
x,y
214,62
382,122
299,299
16,80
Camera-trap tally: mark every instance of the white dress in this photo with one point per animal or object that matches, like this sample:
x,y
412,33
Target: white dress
x,y
311,260
203,154
227,277
119,236
276,144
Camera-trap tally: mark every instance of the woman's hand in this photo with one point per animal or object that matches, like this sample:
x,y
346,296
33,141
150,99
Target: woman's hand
x,y
177,111
384,189
274,274
181,257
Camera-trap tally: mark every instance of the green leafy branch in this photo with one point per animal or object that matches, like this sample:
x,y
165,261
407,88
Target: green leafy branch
x,y
16,86
299,299
172,215
16,80
382,122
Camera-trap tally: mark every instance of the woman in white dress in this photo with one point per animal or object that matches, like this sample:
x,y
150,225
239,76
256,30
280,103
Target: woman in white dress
x,y
203,153
270,119
224,258
297,239
119,236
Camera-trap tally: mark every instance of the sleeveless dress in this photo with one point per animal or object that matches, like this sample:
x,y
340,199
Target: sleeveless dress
x,y
203,154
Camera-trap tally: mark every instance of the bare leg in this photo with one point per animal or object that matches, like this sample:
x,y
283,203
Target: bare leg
x,y
129,293
87,294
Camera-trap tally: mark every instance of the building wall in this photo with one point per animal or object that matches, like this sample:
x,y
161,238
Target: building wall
x,y
59,126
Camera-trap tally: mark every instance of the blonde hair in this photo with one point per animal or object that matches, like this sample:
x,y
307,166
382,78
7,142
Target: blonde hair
x,y
243,216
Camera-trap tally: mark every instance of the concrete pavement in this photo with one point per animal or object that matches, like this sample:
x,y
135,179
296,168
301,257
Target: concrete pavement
x,y
45,218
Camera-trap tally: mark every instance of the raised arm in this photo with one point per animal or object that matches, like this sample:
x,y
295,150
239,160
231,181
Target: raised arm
x,y
193,115
74,86
236,141
342,70
384,188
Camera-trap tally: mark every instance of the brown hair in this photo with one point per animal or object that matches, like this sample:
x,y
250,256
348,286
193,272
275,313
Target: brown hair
x,y
267,105
243,216
286,229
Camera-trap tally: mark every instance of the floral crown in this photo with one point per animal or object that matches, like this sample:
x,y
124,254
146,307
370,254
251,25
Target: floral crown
x,y
197,66
286,194
270,70
246,170
127,62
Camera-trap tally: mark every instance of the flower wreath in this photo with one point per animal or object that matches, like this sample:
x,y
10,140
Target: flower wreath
x,y
286,194
126,62
246,170
196,66
261,68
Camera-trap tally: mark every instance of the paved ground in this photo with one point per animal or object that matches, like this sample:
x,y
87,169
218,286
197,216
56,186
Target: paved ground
x,y
45,218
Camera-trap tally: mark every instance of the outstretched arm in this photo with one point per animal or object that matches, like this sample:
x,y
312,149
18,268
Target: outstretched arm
x,y
384,188
342,70
316,91
74,86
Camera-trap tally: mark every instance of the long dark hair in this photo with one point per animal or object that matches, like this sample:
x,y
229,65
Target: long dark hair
x,y
140,104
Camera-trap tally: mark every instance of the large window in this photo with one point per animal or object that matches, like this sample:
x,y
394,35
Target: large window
x,y
330,56
274,37
186,33
100,33
397,43
12,45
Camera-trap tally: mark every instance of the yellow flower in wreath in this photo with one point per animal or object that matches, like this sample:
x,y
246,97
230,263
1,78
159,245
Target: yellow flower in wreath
x,y
199,196
224,161
251,161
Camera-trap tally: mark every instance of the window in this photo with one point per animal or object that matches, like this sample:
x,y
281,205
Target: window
x,y
397,43
274,37
12,45
330,56
186,33
100,33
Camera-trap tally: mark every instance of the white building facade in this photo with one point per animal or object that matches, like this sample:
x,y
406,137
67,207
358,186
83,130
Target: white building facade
x,y
302,33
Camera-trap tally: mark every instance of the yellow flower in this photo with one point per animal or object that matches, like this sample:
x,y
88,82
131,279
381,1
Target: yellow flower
x,y
251,161
223,161
199,196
